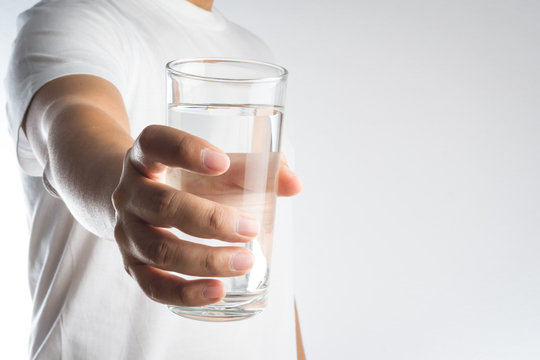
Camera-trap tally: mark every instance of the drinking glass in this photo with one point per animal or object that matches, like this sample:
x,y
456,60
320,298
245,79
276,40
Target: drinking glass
x,y
237,105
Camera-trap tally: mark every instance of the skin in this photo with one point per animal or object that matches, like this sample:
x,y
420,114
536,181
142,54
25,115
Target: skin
x,y
78,128
203,4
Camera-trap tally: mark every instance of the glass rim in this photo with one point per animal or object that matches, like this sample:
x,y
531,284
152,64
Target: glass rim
x,y
170,68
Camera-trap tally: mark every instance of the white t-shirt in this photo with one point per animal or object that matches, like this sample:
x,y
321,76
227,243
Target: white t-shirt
x,y
85,306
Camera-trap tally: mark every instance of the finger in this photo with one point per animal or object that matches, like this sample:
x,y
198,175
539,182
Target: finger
x,y
235,179
289,183
161,205
166,288
159,146
160,248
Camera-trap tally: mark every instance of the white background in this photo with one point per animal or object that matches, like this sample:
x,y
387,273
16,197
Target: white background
x,y
417,133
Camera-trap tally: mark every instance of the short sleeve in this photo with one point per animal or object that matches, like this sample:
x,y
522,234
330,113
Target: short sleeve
x,y
56,39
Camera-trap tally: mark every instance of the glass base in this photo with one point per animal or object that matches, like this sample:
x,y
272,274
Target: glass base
x,y
232,308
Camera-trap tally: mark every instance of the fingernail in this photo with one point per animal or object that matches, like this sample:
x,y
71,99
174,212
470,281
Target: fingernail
x,y
212,292
247,226
242,261
214,160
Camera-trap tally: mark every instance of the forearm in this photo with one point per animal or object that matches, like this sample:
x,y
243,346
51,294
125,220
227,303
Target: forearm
x,y
85,149
79,132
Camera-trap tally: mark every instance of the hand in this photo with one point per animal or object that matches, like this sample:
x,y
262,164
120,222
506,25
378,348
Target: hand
x,y
145,206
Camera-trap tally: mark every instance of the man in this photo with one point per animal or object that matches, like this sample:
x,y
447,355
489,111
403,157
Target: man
x,y
86,80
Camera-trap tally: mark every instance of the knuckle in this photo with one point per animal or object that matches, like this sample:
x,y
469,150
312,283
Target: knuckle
x,y
167,203
160,253
118,232
216,218
118,197
182,144
130,155
187,146
125,244
210,263
146,138
182,295
189,150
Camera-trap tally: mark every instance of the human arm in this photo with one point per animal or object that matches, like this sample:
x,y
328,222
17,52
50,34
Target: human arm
x,y
78,129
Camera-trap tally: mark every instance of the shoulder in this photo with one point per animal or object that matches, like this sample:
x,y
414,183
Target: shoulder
x,y
69,30
72,16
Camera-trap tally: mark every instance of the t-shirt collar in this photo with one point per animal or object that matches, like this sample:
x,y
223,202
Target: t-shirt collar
x,y
186,11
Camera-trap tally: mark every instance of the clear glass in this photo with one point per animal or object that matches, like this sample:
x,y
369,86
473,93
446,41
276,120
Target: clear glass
x,y
237,105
